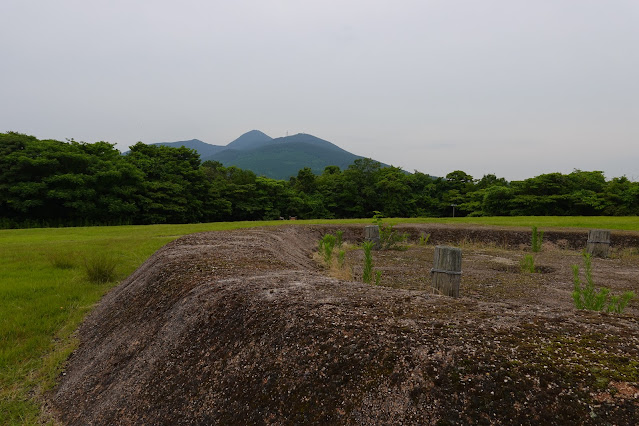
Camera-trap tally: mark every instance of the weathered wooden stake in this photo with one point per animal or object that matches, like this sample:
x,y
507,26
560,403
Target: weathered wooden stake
x,y
371,233
446,270
598,243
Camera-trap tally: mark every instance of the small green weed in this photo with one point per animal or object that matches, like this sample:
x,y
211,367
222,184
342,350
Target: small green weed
x,y
587,297
367,274
100,268
536,239
341,256
339,235
378,277
389,239
423,239
527,264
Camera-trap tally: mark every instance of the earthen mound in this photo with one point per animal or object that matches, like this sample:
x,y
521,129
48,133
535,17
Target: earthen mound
x,y
243,327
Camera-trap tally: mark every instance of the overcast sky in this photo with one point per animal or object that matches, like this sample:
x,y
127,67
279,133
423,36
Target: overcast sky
x,y
514,88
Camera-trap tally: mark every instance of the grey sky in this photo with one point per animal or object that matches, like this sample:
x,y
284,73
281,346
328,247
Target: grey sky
x,y
515,88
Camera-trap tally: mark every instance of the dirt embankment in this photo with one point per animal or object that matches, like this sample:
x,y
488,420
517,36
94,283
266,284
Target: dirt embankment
x,y
243,327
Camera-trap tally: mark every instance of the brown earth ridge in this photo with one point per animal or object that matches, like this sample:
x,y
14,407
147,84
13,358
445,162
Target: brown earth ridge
x,y
245,327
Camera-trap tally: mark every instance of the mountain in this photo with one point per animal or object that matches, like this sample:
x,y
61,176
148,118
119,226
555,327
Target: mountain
x,y
250,140
281,158
203,148
276,158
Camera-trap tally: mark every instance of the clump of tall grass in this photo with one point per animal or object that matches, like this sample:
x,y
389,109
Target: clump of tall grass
x,y
586,296
100,268
61,260
423,239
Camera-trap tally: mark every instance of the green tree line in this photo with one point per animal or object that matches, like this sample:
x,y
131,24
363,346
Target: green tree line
x,y
54,183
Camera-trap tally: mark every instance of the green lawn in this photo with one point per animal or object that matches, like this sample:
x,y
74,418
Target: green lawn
x,y
42,302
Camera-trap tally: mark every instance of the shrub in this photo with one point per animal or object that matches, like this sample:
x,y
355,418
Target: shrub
x,y
537,239
587,297
100,268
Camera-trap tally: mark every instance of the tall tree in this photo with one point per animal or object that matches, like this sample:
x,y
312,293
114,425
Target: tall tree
x,y
174,186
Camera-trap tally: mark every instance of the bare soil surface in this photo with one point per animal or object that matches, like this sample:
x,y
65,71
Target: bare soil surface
x,y
247,327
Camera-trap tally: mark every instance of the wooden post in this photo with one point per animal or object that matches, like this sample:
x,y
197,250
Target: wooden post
x,y
371,233
446,270
598,243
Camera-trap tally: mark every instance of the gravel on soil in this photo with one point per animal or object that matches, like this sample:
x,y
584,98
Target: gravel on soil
x,y
246,327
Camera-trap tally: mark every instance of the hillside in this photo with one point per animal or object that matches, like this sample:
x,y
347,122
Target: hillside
x,y
203,148
282,158
276,158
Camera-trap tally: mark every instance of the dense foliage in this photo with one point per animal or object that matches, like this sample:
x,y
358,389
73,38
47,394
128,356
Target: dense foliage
x,y
53,183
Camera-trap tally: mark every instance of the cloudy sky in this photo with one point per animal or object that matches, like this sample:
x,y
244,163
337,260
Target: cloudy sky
x,y
515,88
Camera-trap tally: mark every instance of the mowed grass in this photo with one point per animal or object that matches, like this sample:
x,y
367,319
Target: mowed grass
x,y
45,291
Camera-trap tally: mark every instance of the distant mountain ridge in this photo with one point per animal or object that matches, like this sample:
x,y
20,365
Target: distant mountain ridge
x,y
203,148
276,158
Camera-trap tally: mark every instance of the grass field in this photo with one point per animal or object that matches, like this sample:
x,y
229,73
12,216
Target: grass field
x,y
45,293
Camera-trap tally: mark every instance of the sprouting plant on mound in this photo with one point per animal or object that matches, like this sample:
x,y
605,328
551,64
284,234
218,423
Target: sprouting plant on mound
x,y
367,272
586,296
326,246
423,239
340,240
527,264
389,239
536,239
336,265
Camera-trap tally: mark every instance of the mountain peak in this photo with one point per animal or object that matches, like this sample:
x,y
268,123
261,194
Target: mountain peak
x,y
250,140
